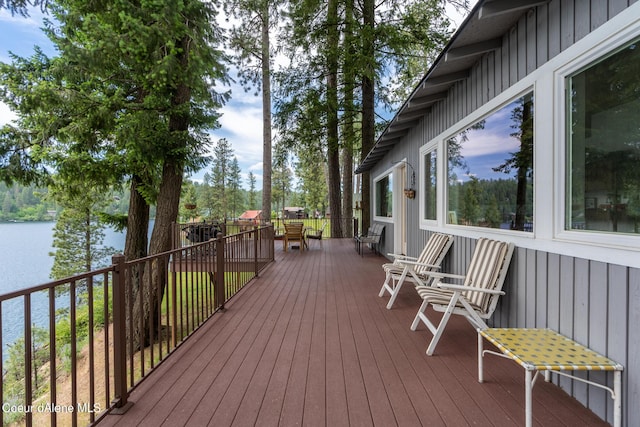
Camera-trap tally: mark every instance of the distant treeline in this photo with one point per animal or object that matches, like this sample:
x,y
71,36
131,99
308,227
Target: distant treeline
x,y
30,203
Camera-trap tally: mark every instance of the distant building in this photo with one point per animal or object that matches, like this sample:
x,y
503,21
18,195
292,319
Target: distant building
x,y
254,216
294,213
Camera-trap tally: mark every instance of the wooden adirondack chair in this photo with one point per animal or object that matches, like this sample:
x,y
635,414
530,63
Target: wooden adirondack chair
x,y
293,232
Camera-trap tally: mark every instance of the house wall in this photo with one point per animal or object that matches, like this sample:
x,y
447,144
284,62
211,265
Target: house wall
x,y
585,290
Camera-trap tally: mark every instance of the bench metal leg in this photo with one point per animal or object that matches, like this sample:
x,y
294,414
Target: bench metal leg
x,y
617,398
480,359
528,392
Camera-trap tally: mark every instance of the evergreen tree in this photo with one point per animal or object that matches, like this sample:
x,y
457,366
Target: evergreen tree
x,y
251,40
311,169
129,98
282,178
13,375
492,215
188,199
337,52
470,207
78,234
220,175
235,188
206,198
251,180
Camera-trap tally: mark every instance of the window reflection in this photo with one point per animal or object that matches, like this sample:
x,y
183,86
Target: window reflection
x,y
603,192
384,196
490,170
430,184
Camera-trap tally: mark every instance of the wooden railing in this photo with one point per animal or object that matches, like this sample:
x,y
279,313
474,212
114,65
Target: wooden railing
x,y
90,339
186,234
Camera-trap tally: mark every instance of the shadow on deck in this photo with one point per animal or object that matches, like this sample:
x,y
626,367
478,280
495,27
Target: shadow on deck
x,y
309,342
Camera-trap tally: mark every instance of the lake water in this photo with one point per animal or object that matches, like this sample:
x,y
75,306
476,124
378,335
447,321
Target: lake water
x,y
25,262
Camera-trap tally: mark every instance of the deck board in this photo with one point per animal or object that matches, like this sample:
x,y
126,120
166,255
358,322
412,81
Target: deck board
x,y
309,342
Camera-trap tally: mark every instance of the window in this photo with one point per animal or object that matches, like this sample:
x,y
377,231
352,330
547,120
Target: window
x,y
384,196
603,144
430,184
490,170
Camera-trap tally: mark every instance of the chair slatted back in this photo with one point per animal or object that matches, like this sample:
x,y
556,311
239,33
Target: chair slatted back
x,y
374,233
371,229
434,252
293,230
487,270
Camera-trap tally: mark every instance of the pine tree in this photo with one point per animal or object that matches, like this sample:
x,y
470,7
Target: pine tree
x,y
130,97
251,40
78,234
251,180
235,188
220,173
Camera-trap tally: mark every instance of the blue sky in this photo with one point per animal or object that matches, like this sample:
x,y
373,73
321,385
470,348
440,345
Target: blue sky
x,y
241,122
490,147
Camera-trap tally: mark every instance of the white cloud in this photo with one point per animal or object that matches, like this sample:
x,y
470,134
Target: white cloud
x,y
242,127
6,115
256,167
34,20
485,143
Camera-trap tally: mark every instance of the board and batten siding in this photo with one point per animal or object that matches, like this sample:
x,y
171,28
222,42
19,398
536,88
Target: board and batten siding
x,y
593,302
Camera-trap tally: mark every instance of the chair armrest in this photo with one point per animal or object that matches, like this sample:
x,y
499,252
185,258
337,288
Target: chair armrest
x,y
409,262
402,257
452,287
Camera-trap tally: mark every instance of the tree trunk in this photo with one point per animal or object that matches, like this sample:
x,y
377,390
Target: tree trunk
x,y
87,240
136,241
349,132
333,145
147,302
266,116
146,308
368,106
524,160
136,238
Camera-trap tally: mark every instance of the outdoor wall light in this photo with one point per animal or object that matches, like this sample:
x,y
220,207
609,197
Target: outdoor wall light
x,y
410,193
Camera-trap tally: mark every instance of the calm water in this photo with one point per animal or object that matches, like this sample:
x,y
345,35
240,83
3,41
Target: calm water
x,y
25,262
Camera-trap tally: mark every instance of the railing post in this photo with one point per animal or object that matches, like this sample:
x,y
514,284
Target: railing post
x,y
219,285
120,403
255,250
28,360
272,244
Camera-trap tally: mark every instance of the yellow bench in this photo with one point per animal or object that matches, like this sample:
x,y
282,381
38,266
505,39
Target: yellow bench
x,y
544,350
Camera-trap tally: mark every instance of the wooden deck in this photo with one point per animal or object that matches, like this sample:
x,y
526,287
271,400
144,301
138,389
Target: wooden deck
x,y
310,343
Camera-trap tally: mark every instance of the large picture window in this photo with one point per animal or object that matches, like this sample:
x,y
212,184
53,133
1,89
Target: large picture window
x,y
603,134
384,196
490,170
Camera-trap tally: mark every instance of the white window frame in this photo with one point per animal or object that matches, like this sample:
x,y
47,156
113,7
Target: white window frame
x,y
600,48
376,217
425,150
547,83
440,143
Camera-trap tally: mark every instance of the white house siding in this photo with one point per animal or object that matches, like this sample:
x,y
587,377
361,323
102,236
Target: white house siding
x,y
596,303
